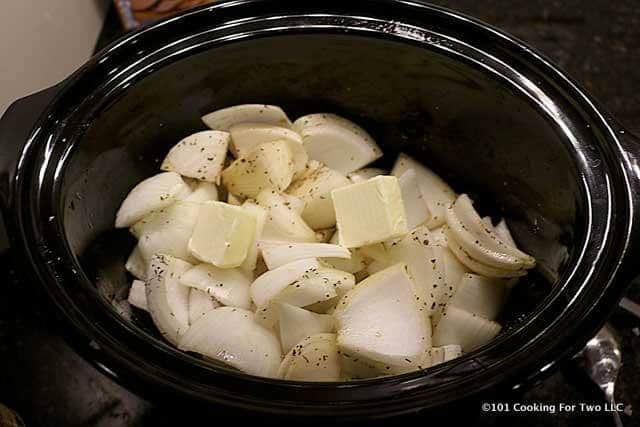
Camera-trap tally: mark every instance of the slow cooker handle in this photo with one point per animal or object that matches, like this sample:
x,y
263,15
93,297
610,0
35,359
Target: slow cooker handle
x,y
15,127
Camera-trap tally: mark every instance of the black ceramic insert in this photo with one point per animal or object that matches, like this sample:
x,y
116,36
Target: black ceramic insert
x,y
491,116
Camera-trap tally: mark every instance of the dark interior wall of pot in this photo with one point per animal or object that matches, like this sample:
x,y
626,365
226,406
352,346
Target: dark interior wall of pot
x,y
478,133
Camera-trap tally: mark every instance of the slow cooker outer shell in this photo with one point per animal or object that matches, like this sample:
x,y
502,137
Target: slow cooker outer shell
x,y
36,210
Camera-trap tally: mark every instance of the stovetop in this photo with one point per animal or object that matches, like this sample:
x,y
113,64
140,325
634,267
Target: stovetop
x,y
597,42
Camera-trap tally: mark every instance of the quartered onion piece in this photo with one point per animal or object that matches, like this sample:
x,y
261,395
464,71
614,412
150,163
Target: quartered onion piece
x,y
167,230
436,193
424,266
482,296
200,303
247,113
293,202
136,264
270,284
380,320
351,265
296,323
138,295
479,241
317,286
315,358
229,286
504,234
199,156
269,166
150,195
231,335
260,214
415,207
247,136
167,298
314,189
438,355
337,142
467,330
276,254
283,224
476,266
203,192
365,173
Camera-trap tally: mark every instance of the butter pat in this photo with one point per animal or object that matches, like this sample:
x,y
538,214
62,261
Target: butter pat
x,y
223,234
369,212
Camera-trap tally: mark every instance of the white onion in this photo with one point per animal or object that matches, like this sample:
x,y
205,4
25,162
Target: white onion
x,y
270,284
366,173
230,335
268,166
200,303
293,202
247,136
229,286
316,286
314,189
476,266
503,232
415,207
136,264
260,214
436,193
167,298
152,194
351,265
338,143
224,118
278,254
138,295
199,156
479,241
315,358
425,267
203,192
438,355
480,295
380,320
283,223
296,323
467,330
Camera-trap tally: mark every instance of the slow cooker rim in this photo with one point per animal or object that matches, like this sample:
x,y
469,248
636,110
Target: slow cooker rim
x,y
96,59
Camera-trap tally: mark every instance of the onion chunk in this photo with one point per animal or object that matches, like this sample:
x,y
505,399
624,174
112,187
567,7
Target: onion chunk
x,y
167,298
225,118
199,156
152,194
231,335
379,320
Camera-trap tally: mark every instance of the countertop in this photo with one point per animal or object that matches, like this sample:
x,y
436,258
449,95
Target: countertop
x,y
597,42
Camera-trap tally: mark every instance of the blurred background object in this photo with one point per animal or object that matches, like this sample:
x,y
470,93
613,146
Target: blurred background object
x,y
134,13
8,418
42,42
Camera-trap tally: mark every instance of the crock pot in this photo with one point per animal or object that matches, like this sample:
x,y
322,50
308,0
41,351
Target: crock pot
x,y
488,113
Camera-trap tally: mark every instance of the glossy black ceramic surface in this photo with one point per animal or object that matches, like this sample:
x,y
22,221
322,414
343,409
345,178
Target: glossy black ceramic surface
x,y
490,115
